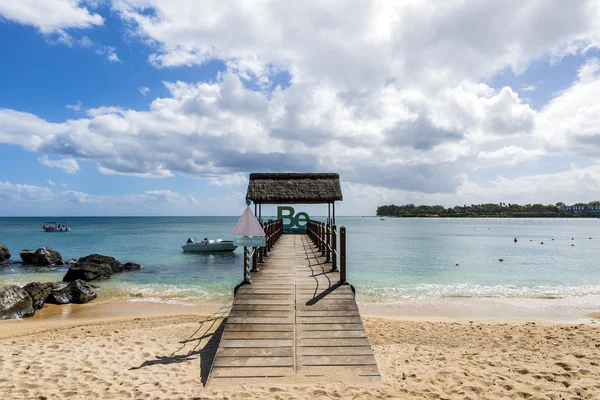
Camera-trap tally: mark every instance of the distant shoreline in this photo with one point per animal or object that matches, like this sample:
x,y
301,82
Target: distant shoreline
x,y
489,216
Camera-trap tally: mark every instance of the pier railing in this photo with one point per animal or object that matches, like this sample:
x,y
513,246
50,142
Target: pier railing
x,y
324,235
273,231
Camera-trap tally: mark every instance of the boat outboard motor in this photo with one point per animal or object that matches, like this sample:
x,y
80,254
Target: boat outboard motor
x,y
190,240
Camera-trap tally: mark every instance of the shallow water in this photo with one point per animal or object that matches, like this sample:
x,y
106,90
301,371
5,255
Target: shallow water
x,y
388,261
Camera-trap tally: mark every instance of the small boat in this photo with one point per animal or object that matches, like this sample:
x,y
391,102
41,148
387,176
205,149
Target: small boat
x,y
54,227
208,246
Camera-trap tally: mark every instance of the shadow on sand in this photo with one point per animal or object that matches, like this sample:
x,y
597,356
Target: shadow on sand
x,y
208,329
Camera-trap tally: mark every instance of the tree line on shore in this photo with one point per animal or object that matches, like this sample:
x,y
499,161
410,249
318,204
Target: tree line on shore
x,y
496,210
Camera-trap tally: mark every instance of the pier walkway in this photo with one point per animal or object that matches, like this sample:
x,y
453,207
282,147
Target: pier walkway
x,y
294,323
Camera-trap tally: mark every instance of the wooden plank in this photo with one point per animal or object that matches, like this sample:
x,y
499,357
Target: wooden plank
x,y
255,352
318,313
327,307
254,362
260,313
258,335
331,334
334,351
345,360
336,342
260,320
244,327
329,327
264,307
264,301
257,343
328,320
242,297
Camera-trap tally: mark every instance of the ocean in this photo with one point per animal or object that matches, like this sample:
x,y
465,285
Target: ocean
x,y
389,261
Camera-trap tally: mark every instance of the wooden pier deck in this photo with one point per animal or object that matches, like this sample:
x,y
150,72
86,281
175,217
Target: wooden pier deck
x,y
294,323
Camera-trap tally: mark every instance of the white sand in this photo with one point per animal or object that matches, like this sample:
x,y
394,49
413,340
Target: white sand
x,y
168,357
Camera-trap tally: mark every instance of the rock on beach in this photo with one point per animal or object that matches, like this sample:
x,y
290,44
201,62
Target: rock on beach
x,y
15,302
4,254
88,271
41,256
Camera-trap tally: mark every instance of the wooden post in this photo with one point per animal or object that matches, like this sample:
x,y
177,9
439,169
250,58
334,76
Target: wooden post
x,y
343,254
327,242
261,250
333,249
246,266
254,259
268,237
322,239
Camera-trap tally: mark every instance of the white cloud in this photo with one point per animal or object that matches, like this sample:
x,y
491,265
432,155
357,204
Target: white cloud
x,y
108,51
569,186
389,94
17,192
144,90
112,57
529,88
220,130
69,165
50,17
51,182
74,107
509,155
570,121
35,200
77,197
228,180
409,41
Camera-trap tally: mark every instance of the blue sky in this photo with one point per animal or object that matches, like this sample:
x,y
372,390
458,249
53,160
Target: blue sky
x,y
113,108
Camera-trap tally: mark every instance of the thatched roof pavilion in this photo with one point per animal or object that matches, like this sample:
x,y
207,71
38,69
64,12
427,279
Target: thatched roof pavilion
x,y
294,188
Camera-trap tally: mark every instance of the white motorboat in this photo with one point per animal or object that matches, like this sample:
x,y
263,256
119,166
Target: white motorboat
x,y
54,227
208,246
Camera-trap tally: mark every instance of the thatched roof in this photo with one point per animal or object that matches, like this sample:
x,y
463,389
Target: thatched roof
x,y
294,188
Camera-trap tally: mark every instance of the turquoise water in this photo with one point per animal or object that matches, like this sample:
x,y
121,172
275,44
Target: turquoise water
x,y
388,261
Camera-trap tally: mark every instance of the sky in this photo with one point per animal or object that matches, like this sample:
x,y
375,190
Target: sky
x,y
163,107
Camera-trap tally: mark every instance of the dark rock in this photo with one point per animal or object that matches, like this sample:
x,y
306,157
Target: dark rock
x,y
15,303
115,265
131,266
39,292
88,271
4,254
27,256
42,256
75,292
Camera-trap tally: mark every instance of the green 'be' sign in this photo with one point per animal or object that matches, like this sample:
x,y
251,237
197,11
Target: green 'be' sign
x,y
295,222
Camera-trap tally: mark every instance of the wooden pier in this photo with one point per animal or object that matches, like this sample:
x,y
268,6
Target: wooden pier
x,y
296,322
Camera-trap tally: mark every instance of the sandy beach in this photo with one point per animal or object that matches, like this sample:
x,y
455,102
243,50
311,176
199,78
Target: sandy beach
x,y
166,353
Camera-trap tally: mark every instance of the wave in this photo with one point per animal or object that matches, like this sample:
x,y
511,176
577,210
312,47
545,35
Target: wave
x,y
452,291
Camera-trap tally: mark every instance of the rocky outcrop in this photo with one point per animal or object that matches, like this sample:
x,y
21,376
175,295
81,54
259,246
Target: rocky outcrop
x,y
115,265
4,254
39,292
15,303
42,256
132,266
88,271
78,292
